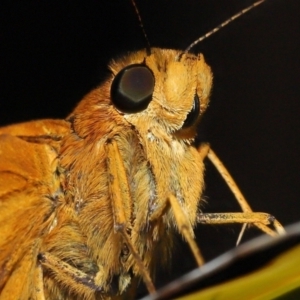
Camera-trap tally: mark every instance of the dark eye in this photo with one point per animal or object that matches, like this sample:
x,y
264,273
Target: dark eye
x,y
192,116
132,88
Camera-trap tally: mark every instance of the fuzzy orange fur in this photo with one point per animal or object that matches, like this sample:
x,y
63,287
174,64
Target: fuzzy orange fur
x,y
57,188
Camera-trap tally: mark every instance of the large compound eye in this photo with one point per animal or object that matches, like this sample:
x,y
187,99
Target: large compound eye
x,y
192,116
132,88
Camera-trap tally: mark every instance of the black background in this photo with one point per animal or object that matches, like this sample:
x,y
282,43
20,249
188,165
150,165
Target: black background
x,y
53,52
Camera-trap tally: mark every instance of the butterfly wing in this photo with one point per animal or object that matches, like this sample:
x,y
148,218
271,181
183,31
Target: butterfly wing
x,y
28,182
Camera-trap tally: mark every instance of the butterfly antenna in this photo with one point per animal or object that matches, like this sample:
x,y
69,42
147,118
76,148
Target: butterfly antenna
x,y
225,23
148,48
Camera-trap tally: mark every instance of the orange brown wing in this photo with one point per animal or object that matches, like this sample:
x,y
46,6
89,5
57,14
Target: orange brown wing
x,y
28,183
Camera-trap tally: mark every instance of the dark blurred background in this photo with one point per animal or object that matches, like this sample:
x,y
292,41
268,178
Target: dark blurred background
x,y
54,52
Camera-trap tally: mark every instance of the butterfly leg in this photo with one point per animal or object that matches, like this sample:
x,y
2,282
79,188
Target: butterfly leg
x,y
38,284
122,203
243,217
184,226
69,275
260,220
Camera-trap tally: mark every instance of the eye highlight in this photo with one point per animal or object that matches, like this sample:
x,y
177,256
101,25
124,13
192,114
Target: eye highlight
x,y
132,88
192,116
